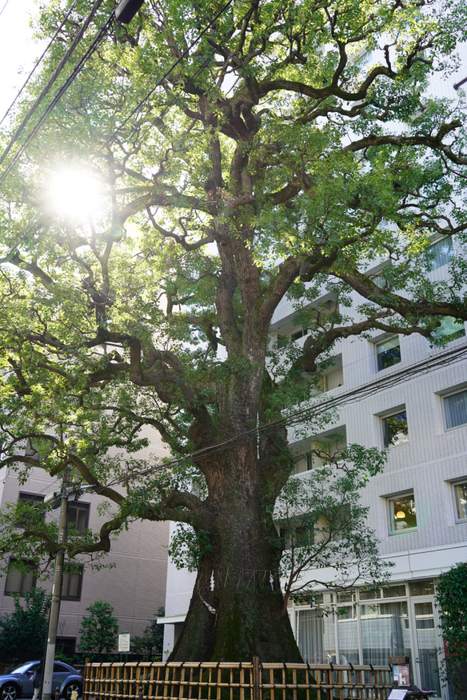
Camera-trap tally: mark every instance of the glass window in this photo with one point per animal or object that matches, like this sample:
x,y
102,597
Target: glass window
x,y
450,328
78,516
395,430
394,591
347,629
71,585
385,632
67,645
20,581
402,513
461,500
388,353
441,252
28,499
422,587
455,409
370,594
316,637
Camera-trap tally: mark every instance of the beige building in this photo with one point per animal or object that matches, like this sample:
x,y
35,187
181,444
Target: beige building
x,y
135,586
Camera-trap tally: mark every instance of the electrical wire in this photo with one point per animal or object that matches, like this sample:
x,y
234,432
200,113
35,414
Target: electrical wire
x,y
6,3
353,396
49,45
49,85
168,72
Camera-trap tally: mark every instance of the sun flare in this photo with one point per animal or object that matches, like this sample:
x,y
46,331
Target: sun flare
x,y
75,193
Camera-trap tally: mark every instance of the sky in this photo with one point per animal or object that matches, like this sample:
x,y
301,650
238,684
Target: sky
x,y
17,49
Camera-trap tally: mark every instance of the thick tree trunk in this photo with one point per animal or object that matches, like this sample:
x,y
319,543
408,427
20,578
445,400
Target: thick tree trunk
x,y
236,610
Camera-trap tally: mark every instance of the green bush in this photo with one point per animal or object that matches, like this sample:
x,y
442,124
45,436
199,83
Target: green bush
x,y
451,600
25,629
98,631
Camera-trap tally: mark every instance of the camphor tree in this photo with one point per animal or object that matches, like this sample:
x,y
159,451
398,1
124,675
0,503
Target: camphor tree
x,y
295,147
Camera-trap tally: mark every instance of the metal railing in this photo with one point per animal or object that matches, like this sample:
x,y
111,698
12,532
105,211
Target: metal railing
x,y
252,680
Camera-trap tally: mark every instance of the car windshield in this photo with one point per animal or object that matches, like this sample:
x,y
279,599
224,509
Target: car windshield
x,y
25,667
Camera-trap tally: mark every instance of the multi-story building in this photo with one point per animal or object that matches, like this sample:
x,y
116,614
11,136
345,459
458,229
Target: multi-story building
x,y
418,504
134,586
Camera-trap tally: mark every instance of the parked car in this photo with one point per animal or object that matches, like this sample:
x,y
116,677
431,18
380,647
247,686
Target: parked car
x,y
18,683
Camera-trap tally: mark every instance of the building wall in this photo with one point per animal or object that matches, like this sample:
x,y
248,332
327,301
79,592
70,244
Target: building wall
x,y
135,587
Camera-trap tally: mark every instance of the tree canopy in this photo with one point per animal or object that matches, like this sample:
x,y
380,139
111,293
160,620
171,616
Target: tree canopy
x,y
292,149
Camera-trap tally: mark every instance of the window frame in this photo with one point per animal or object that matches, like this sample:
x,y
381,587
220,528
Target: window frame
x,y
454,486
447,396
77,597
383,418
79,506
33,568
378,343
456,335
25,497
390,500
436,242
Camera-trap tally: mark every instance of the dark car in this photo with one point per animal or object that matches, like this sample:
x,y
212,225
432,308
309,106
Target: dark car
x,y
18,683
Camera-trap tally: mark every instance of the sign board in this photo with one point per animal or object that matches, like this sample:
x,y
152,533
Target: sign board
x,y
403,677
124,641
397,694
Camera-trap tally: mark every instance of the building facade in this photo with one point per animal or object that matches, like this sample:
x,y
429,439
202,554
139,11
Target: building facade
x,y
134,586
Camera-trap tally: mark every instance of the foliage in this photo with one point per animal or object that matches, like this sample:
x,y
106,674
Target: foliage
x,y
99,630
150,644
451,600
25,629
322,526
293,151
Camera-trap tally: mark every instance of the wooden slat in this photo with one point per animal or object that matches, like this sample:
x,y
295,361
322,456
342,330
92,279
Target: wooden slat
x,y
234,681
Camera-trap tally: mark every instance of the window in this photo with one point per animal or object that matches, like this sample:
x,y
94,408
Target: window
x,y
450,328
333,375
299,334
402,513
78,516
455,409
20,581
66,645
28,499
395,430
300,533
304,463
71,585
460,491
388,353
441,252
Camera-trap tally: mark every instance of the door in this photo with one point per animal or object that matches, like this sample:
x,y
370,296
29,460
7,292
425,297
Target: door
x,y
427,644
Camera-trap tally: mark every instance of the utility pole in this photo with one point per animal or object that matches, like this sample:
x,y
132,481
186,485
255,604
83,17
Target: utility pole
x,y
47,690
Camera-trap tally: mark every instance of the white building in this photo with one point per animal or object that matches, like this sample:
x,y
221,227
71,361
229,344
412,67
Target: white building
x,y
418,505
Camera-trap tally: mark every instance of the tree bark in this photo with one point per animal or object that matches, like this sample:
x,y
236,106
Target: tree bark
x,y
236,611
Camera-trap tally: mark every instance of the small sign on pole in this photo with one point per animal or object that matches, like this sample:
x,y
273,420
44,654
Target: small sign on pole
x,y
124,642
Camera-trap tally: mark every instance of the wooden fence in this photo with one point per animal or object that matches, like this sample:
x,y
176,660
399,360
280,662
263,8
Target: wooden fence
x,y
234,681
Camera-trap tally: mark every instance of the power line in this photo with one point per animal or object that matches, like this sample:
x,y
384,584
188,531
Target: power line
x,y
167,73
47,88
94,46
193,77
40,59
352,396
6,3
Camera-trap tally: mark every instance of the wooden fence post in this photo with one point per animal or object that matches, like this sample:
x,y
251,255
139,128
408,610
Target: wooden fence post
x,y
256,679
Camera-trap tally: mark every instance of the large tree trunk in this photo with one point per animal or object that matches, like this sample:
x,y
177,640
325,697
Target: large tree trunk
x,y
236,611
